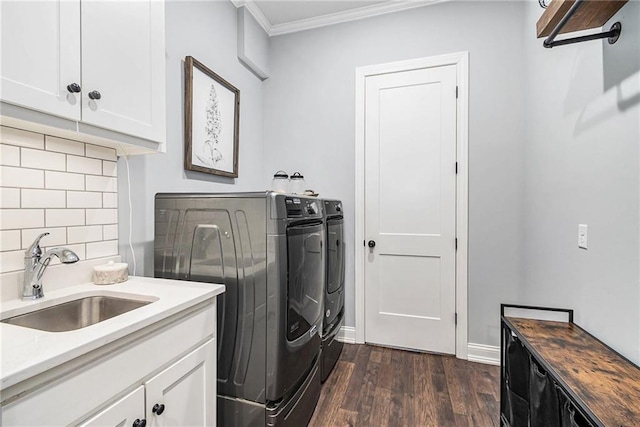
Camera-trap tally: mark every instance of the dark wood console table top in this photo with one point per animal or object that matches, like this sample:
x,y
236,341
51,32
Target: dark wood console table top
x,y
606,383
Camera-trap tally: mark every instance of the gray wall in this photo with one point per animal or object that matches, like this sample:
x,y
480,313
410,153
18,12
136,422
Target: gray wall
x,y
581,167
309,126
206,31
553,142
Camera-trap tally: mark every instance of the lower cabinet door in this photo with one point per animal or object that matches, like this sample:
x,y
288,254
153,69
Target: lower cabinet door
x,y
184,394
124,412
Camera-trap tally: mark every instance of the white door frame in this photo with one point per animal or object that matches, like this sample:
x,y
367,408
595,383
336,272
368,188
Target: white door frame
x,y
461,61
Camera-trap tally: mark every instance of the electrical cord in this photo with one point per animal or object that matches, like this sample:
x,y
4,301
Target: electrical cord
x,y
133,254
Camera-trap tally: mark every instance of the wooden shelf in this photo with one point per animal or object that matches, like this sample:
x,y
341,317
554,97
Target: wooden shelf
x,y
604,383
592,14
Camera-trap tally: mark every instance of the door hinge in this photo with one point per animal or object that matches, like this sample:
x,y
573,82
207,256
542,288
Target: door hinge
x,y
456,243
455,318
456,168
456,92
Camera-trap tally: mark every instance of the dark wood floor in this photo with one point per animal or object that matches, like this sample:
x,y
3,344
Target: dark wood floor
x,y
375,386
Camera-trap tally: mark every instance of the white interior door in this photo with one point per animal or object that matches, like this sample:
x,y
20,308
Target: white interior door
x,y
410,209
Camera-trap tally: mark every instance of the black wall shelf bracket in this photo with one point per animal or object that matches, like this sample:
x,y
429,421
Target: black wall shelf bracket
x,y
612,35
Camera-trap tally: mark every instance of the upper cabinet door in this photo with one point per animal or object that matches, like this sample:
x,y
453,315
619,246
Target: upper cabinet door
x,y
123,64
40,55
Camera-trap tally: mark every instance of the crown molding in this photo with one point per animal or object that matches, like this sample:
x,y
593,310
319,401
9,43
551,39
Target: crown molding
x,y
389,6
348,15
256,12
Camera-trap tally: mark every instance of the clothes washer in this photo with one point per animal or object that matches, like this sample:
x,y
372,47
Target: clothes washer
x,y
334,286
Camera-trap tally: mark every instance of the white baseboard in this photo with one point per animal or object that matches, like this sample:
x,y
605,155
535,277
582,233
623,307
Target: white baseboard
x,y
487,354
347,334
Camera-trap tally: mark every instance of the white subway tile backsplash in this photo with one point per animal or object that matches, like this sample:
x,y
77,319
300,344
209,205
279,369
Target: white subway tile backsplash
x,y
15,219
102,249
102,216
43,198
63,187
84,165
9,155
10,240
102,183
91,233
64,217
84,199
103,153
11,261
64,181
110,232
57,236
40,159
109,168
21,137
21,178
64,145
109,200
9,198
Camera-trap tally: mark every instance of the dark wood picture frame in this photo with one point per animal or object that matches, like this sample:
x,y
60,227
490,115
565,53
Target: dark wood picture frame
x,y
205,150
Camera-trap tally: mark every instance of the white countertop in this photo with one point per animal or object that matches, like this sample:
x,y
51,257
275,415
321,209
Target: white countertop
x,y
28,352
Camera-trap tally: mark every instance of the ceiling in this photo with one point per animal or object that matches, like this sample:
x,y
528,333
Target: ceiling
x,y
287,16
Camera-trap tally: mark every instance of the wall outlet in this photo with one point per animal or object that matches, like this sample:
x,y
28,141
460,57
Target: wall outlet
x,y
582,236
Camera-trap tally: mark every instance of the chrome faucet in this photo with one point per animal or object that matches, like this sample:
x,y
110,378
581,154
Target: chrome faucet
x,y
35,264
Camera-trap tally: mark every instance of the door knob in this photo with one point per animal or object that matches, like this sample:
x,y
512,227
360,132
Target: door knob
x,y
74,88
371,244
94,94
158,409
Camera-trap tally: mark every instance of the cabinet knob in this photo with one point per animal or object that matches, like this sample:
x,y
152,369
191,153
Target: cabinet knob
x,y
94,94
158,409
140,423
371,244
74,88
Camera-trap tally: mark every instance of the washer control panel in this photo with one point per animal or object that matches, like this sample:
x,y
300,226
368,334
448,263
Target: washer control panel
x,y
298,207
333,207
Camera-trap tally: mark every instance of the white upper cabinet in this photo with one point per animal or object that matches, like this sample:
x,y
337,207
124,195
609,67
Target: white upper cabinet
x,y
40,55
123,61
112,50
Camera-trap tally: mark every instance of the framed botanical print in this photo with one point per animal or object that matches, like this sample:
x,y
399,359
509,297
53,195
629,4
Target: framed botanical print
x,y
212,120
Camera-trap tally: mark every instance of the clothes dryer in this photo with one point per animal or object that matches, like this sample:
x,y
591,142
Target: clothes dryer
x,y
268,251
